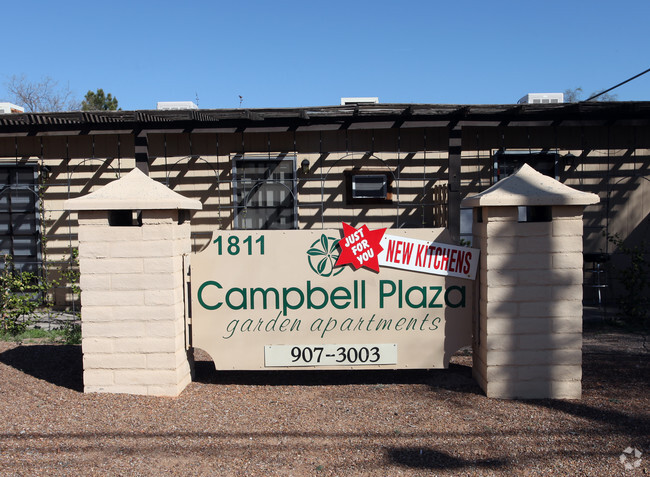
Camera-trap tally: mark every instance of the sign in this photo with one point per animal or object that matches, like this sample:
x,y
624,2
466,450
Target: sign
x,y
360,247
365,248
330,355
277,300
428,257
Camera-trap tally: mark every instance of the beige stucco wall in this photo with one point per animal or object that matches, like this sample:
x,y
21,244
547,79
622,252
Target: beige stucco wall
x,y
133,319
610,161
528,335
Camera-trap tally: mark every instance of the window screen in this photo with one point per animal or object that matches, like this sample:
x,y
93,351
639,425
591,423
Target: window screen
x,y
369,186
507,162
264,193
19,219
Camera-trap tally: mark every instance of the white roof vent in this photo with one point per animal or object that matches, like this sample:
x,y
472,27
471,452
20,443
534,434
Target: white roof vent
x,y
359,100
171,105
539,98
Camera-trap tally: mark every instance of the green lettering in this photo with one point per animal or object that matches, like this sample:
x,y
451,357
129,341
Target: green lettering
x,y
423,297
310,292
233,306
426,318
200,295
231,328
286,305
383,293
332,322
344,296
384,324
316,328
434,323
460,302
399,294
272,324
432,303
372,318
265,292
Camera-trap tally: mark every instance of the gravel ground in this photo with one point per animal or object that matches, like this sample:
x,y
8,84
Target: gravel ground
x,y
322,423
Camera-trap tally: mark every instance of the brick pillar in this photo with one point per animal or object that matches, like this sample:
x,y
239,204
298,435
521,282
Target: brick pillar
x,y
528,334
133,265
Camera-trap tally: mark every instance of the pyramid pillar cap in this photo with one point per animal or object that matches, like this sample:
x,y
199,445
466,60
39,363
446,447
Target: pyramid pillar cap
x,y
527,187
134,191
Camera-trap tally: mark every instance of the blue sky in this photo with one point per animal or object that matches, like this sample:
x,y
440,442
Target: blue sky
x,y
286,53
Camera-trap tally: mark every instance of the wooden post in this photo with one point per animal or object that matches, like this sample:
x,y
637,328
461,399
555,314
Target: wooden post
x,y
453,208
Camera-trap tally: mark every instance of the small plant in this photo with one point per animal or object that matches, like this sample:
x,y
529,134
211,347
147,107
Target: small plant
x,y
21,293
67,277
635,278
72,333
71,274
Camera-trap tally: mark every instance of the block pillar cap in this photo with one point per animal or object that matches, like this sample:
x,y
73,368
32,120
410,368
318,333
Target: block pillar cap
x,y
134,191
527,187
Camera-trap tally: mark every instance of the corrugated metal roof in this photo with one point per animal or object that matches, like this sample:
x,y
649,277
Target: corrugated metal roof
x,y
153,119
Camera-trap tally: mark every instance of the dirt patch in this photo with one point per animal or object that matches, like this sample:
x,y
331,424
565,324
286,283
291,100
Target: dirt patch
x,y
323,423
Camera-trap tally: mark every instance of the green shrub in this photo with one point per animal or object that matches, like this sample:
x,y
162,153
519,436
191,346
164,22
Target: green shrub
x,y
635,278
21,293
72,333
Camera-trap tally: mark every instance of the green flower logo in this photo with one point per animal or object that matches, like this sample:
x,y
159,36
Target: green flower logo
x,y
322,256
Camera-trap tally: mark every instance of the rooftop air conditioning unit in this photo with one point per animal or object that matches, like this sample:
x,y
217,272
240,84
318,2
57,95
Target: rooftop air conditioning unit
x,y
540,98
175,105
359,100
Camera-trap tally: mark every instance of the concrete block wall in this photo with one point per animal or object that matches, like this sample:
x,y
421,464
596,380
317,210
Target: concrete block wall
x,y
133,320
528,335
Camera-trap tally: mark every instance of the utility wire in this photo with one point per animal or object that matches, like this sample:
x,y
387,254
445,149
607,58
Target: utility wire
x,y
614,87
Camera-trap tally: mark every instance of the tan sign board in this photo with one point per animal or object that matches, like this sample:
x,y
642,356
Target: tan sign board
x,y
276,300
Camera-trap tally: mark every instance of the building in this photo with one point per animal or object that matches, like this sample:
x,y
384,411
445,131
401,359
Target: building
x,y
9,108
385,165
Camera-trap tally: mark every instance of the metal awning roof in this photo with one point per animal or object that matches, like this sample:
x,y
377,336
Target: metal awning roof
x,y
371,116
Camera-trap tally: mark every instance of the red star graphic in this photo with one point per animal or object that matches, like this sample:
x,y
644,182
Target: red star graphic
x,y
360,247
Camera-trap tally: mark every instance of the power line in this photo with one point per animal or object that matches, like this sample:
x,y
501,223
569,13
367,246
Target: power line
x,y
614,87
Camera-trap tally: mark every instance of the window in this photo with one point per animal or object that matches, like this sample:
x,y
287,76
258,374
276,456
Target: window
x,y
264,192
19,218
507,162
368,187
535,213
466,232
